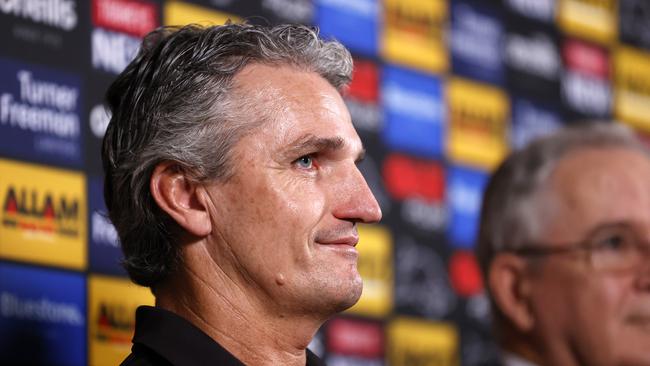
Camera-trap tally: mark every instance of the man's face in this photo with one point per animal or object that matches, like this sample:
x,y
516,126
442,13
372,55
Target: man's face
x,y
598,317
284,226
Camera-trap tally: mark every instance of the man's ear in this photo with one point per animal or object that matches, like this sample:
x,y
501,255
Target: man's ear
x,y
181,198
509,282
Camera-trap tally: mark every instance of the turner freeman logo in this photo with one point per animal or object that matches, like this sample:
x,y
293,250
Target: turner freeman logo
x,y
55,13
31,210
40,114
43,107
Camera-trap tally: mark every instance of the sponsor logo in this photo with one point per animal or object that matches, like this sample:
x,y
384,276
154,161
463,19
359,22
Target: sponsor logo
x,y
136,18
112,304
464,194
295,11
43,217
355,337
339,360
542,10
465,274
42,307
632,96
477,132
112,52
98,120
585,58
376,268
585,84
180,13
595,20
634,22
406,177
586,95
479,348
31,210
102,230
41,310
535,54
54,13
421,282
413,112
362,97
105,253
120,24
414,34
477,307
354,23
420,186
476,36
531,120
418,342
39,114
365,82
115,323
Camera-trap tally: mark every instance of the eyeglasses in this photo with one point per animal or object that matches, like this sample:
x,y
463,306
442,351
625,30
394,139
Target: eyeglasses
x,y
611,248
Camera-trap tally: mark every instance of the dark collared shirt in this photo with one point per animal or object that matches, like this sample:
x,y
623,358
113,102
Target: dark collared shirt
x,y
163,338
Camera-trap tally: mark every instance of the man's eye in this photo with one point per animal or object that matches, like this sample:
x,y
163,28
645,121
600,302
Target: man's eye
x,y
305,162
614,242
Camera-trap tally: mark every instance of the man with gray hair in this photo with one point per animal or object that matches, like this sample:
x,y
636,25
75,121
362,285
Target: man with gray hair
x,y
563,247
232,181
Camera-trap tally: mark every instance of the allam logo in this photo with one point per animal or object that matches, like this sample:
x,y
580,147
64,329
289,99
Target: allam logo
x,y
414,34
477,131
112,303
115,323
55,13
42,215
36,211
632,94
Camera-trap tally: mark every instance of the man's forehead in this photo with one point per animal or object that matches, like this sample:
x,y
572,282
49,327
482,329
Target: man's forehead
x,y
596,186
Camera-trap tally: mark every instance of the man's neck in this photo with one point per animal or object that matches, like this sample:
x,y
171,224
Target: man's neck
x,y
256,331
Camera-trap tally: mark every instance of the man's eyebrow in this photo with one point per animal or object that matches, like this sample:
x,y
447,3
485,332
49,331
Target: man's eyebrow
x,y
310,143
306,143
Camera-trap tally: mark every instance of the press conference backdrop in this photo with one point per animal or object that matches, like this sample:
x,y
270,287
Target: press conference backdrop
x,y
441,91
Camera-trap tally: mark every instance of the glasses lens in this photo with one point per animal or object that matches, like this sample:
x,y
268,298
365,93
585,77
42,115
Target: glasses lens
x,y
614,249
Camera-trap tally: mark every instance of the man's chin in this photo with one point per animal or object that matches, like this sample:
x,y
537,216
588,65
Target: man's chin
x,y
347,299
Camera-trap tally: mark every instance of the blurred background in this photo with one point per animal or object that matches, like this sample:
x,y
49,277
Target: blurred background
x,y
442,90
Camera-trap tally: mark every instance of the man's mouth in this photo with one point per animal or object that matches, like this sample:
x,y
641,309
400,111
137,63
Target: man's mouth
x,y
349,240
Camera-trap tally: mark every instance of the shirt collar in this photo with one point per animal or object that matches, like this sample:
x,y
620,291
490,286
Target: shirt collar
x,y
182,343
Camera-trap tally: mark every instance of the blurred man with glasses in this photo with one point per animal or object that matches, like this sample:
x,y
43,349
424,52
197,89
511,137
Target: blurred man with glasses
x,y
564,248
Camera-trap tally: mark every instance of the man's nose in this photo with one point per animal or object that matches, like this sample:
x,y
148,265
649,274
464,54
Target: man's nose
x,y
354,199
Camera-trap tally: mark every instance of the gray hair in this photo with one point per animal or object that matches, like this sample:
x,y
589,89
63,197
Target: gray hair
x,y
174,102
510,215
